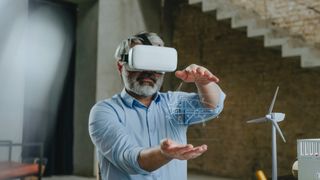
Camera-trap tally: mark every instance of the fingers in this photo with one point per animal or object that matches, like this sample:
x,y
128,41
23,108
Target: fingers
x,y
195,152
181,151
181,75
169,146
205,73
192,153
197,74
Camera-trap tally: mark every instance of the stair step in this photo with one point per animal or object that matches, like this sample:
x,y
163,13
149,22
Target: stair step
x,y
209,5
259,28
292,52
272,42
294,47
225,12
242,19
276,38
311,58
195,2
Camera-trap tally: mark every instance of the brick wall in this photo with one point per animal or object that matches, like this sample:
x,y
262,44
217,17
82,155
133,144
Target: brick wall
x,y
300,17
249,75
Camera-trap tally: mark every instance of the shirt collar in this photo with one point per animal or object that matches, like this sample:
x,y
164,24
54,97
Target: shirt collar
x,y
129,100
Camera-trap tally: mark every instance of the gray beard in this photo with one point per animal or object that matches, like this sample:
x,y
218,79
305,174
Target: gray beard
x,y
142,90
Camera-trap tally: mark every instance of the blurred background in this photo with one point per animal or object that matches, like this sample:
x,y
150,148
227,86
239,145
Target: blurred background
x,y
56,61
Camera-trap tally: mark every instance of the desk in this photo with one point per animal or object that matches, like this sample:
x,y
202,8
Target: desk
x,y
10,170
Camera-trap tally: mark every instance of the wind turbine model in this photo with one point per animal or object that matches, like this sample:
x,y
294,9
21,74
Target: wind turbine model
x,y
274,118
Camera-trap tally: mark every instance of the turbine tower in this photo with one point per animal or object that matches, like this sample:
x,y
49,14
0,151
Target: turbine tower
x,y
274,118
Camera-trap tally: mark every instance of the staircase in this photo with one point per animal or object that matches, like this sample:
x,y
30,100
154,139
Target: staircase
x,y
291,46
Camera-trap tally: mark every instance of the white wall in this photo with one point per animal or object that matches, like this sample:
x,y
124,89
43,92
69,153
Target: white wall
x,y
35,49
12,71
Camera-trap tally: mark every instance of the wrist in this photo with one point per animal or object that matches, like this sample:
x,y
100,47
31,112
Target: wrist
x,y
165,155
202,84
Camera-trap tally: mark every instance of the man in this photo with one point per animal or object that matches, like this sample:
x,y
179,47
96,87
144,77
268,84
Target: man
x,y
140,133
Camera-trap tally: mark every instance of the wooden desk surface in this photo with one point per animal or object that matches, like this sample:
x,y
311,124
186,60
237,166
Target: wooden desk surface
x,y
14,169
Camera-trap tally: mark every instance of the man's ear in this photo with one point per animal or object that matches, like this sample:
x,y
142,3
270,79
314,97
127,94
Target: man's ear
x,y
120,66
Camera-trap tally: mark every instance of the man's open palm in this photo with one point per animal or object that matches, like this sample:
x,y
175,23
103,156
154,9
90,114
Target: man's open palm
x,y
174,150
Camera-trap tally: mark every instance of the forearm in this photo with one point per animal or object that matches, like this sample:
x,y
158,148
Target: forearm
x,y
152,159
209,94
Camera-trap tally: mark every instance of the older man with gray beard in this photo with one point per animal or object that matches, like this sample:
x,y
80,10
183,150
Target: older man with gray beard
x,y
140,133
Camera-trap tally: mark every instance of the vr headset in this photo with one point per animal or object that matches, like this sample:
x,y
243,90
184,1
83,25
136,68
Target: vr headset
x,y
151,58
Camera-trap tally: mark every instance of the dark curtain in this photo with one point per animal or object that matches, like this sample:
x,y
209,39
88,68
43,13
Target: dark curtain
x,y
61,150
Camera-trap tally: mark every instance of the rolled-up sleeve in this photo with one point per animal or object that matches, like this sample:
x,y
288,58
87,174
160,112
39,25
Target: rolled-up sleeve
x,y
218,109
191,110
112,141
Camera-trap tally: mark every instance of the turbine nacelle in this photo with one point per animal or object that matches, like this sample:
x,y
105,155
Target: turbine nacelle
x,y
277,117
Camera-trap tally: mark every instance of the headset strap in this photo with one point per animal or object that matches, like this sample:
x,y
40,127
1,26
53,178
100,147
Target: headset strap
x,y
145,41
144,38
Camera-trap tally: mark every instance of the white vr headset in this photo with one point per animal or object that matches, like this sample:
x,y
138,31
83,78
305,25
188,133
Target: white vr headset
x,y
151,58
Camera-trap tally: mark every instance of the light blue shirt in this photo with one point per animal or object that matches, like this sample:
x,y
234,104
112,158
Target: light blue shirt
x,y
121,127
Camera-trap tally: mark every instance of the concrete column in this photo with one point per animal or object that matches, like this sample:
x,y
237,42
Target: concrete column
x,y
118,20
101,27
85,86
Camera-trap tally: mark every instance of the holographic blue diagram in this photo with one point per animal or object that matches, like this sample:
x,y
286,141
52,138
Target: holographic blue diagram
x,y
188,111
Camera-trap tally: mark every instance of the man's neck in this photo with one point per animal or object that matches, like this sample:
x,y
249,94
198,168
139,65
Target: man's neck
x,y
145,100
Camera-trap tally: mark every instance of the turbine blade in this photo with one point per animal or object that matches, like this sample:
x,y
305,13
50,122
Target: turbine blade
x,y
258,120
273,101
275,124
